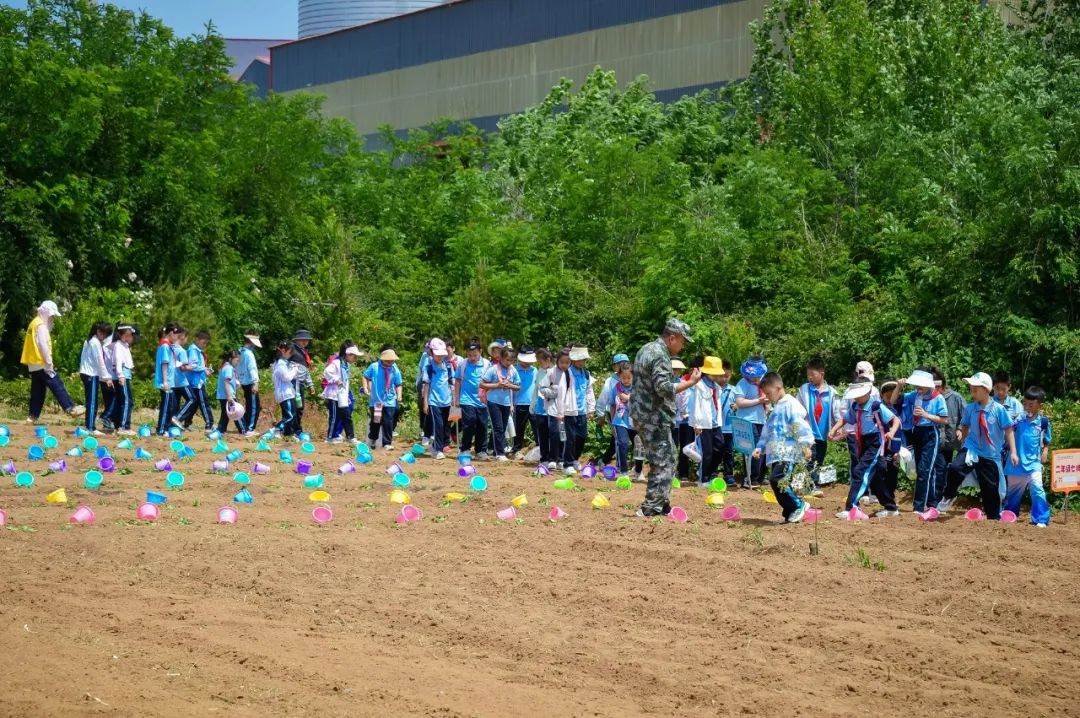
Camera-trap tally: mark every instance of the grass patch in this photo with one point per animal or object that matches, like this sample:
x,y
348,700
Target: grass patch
x,y
863,559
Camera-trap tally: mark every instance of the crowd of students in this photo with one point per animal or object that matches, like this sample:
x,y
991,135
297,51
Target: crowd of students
x,y
488,402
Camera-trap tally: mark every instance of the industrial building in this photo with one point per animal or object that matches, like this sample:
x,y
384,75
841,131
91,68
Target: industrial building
x,y
480,60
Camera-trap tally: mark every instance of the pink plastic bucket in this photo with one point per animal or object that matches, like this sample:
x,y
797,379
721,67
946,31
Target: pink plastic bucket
x,y
322,514
148,512
227,515
1008,517
975,515
83,515
556,514
506,514
677,515
812,516
411,513
856,514
929,515
731,513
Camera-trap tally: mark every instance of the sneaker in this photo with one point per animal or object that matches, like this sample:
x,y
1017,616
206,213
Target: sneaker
x,y
354,441
425,441
842,515
1040,526
177,423
552,465
107,424
817,493
388,447
335,441
502,458
944,505
868,499
76,411
797,515
746,484
31,420
886,514
569,471
126,432
250,434
95,432
638,478
483,456
440,456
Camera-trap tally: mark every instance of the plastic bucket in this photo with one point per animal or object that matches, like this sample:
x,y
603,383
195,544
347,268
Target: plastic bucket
x,y
975,515
24,479
718,485
4,440
600,502
57,497
90,443
143,454
9,468
174,479
411,513
520,500
148,512
393,469
219,465
58,466
478,483
506,514
363,458
313,482
154,497
623,483
731,513
303,466
101,452
556,514
163,465
3,518
856,514
466,471
35,453
261,468
464,459
41,431
322,514
1008,517
609,472
175,432
542,470
243,496
125,444
92,479
588,471
145,431
83,515
397,496
307,447
929,515
407,459
285,456
227,515
50,442
241,477
319,496
677,515
401,480
418,450
176,445
74,451
234,455
347,468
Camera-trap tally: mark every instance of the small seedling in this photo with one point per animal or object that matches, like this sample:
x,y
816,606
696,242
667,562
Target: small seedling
x,y
284,525
365,487
543,501
23,529
420,475
863,559
440,519
195,504
519,522
184,521
369,506
755,538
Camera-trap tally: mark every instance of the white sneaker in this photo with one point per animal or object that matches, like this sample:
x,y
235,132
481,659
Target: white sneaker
x,y
250,434
886,514
482,456
125,432
76,411
842,515
388,447
944,505
354,441
425,441
569,471
440,455
177,423
552,465
1040,526
334,441
817,493
95,432
797,514
638,478
868,499
502,458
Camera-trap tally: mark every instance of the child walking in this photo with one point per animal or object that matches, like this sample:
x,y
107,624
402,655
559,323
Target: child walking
x,y
523,400
122,368
539,406
785,437
438,381
91,370
197,370
1033,439
247,373
986,427
284,375
869,417
337,376
557,388
924,416
707,418
165,376
227,386
501,380
621,422
750,404
382,382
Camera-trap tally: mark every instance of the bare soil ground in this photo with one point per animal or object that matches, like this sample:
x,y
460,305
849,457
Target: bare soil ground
x,y
600,614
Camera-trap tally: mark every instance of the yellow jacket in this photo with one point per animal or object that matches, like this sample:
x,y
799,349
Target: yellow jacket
x,y
31,353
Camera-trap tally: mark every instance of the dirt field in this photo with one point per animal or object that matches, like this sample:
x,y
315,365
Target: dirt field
x,y
600,614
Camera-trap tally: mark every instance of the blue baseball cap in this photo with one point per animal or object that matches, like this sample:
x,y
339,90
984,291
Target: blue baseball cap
x,y
619,358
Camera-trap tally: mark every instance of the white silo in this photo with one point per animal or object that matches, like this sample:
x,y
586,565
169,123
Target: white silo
x,y
321,16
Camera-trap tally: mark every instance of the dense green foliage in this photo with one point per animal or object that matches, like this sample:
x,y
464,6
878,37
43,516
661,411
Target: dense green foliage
x,y
897,182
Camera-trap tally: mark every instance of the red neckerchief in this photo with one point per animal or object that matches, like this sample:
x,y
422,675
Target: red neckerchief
x,y
819,406
984,427
307,357
715,403
858,428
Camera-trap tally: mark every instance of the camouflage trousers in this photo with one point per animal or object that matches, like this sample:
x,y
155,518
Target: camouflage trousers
x,y
660,453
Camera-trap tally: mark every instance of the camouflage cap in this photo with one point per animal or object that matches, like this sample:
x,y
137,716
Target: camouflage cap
x,y
678,326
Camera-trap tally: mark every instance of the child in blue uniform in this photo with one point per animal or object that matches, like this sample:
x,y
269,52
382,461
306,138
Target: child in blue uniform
x,y
750,404
869,417
925,415
986,428
621,423
438,382
227,386
819,400
165,376
523,399
1033,439
247,373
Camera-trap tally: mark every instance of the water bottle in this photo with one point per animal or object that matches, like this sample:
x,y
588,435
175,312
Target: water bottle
x,y
562,431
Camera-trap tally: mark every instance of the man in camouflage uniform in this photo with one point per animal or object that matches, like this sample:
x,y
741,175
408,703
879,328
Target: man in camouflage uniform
x,y
652,407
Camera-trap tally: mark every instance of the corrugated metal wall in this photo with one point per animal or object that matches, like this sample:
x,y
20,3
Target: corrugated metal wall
x,y
680,52
456,29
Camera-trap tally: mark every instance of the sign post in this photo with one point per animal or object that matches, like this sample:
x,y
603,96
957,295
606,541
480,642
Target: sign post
x,y
742,439
1065,474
